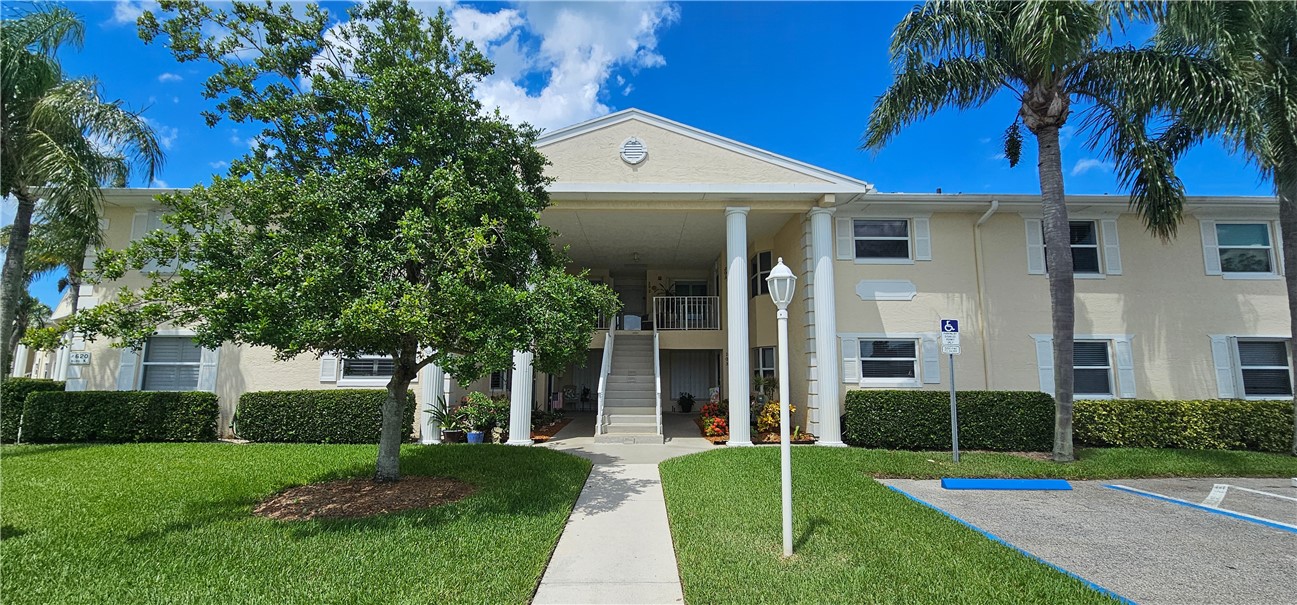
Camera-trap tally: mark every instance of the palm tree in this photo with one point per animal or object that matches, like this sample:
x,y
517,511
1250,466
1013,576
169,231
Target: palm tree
x,y
1053,56
1258,42
53,137
55,243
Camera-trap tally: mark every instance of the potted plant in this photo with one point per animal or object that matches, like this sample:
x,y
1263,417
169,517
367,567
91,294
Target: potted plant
x,y
448,421
686,402
478,415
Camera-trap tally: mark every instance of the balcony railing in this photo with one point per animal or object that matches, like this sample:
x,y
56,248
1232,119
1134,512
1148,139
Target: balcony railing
x,y
687,312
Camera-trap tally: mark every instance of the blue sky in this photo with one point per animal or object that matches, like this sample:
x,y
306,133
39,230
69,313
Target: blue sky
x,y
797,79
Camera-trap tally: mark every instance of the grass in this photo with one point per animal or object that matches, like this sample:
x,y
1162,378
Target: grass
x,y
857,541
172,523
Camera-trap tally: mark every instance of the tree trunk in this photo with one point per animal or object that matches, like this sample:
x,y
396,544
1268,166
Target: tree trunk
x,y
1062,298
393,427
11,280
1288,231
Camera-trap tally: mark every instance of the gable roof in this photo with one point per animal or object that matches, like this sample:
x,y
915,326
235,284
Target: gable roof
x,y
838,181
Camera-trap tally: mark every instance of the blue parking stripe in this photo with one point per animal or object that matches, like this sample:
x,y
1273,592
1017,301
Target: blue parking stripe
x,y
997,539
1219,511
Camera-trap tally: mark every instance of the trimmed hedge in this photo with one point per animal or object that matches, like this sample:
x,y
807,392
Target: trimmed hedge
x,y
324,416
1016,421
119,416
13,395
1211,424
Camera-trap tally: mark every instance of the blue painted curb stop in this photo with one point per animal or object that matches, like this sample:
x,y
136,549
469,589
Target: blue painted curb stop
x,y
1006,484
1001,541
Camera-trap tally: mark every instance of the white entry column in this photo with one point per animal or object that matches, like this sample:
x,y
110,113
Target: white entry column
x,y
520,392
433,395
736,324
826,328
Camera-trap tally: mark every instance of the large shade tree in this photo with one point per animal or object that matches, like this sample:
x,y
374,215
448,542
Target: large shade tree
x,y
384,211
1257,43
1057,59
59,141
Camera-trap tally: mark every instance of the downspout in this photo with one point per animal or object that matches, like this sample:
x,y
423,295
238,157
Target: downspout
x,y
978,270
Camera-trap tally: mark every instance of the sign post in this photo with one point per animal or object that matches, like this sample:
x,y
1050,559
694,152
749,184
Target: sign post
x,y
950,346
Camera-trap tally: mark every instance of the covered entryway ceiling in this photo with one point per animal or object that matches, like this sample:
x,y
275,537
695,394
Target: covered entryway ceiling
x,y
663,239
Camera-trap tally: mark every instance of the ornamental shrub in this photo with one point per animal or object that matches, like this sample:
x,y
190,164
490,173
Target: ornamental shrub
x,y
715,426
920,420
713,410
13,395
768,417
119,416
320,416
1211,424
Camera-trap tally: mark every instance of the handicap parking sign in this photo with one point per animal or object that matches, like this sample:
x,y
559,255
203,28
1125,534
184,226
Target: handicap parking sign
x,y
949,325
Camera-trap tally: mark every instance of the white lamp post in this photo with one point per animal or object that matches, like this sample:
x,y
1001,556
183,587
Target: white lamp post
x,y
782,285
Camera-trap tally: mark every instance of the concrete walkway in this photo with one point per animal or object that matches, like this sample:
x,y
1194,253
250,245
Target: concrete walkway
x,y
617,545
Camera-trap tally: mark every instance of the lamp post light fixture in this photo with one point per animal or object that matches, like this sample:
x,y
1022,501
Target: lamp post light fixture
x,y
783,284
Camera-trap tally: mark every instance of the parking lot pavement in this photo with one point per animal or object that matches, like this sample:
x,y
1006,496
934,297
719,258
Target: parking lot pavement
x,y
1273,499
1146,550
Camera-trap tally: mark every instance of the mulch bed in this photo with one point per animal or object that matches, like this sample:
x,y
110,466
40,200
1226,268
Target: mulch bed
x,y
362,497
760,438
545,433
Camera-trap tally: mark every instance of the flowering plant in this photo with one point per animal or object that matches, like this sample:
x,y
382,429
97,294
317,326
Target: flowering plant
x,y
768,417
715,426
712,410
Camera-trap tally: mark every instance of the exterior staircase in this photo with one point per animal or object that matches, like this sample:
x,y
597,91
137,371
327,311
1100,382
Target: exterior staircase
x,y
630,412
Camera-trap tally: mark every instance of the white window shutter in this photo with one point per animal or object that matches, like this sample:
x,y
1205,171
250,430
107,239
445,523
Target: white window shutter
x,y
328,368
1210,251
922,239
139,225
1035,247
1277,248
1111,247
1045,363
931,360
1222,357
130,363
207,370
850,360
1125,369
846,239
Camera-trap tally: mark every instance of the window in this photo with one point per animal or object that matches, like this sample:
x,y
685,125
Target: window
x,y
1263,365
1091,368
881,240
692,288
761,264
501,381
1084,237
170,363
1245,248
888,359
763,362
367,367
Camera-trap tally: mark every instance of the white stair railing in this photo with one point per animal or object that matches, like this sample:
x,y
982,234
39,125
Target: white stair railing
x,y
603,377
686,313
657,380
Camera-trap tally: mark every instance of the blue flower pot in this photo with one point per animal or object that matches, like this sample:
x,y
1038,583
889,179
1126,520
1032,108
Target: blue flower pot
x,y
475,436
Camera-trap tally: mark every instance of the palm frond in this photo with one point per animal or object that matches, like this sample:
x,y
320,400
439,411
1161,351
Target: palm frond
x,y
921,90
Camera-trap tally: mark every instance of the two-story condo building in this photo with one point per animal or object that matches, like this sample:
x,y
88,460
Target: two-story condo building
x,y
685,225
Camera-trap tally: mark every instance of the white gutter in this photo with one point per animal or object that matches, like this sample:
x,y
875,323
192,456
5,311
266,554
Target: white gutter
x,y
978,270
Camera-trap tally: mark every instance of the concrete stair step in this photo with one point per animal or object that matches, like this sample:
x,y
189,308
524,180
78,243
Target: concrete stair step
x,y
631,429
643,410
622,439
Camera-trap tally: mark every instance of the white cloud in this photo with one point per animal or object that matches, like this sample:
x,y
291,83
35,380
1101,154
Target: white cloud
x,y
218,165
159,183
1087,164
166,134
1065,135
169,77
127,11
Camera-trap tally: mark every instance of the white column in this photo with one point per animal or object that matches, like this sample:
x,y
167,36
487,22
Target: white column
x,y
520,400
828,361
433,395
19,368
736,325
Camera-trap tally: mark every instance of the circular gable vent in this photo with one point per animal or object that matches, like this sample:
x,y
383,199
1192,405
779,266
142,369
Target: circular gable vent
x,y
633,151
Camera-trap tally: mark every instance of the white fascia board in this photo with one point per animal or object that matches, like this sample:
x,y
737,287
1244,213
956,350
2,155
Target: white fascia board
x,y
704,189
685,130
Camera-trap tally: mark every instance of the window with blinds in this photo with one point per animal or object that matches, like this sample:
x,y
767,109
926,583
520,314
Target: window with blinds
x,y
1092,367
501,381
367,367
1264,367
888,239
170,363
1245,247
889,359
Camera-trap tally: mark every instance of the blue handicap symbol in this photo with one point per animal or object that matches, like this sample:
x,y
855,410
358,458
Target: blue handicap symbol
x,y
950,325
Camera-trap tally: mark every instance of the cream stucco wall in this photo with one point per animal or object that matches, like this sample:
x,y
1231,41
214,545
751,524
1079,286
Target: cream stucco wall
x,y
593,157
1163,299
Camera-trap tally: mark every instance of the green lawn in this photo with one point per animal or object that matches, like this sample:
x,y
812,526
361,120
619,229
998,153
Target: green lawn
x,y
171,523
857,541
